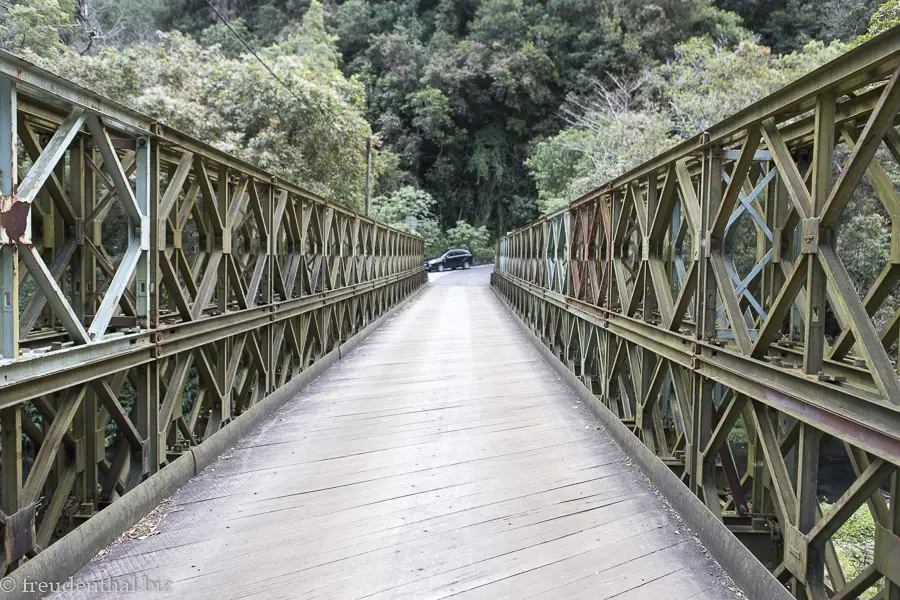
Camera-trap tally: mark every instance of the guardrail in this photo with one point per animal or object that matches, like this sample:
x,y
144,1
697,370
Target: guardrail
x,y
704,296
152,288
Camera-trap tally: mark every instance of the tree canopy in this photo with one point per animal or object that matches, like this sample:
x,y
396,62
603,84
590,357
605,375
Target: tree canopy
x,y
497,110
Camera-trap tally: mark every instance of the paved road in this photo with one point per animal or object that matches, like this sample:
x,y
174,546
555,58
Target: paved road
x,y
442,458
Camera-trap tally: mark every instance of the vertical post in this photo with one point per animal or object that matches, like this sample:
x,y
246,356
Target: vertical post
x,y
891,587
266,340
144,184
10,418
78,198
823,149
703,470
95,427
650,248
51,227
368,171
814,341
9,261
223,200
155,246
223,347
807,510
711,198
147,196
11,459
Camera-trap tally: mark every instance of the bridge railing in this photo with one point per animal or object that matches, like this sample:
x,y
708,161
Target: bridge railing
x,y
710,299
152,288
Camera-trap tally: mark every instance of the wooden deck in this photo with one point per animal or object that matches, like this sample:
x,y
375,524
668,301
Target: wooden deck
x,y
442,458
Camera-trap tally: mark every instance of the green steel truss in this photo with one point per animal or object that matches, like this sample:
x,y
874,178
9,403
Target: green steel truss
x,y
638,288
152,288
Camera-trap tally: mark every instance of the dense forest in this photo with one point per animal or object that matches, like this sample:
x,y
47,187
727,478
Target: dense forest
x,y
484,113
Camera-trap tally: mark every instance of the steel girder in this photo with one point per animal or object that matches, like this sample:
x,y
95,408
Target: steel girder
x,y
704,298
152,288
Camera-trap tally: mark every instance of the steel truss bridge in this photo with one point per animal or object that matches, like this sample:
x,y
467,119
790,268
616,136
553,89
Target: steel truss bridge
x,y
635,288
160,299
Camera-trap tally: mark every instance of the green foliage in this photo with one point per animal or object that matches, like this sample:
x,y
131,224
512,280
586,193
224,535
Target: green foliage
x,y
788,25
476,240
629,121
582,157
396,208
707,82
313,42
460,90
854,543
314,133
35,26
887,16
228,40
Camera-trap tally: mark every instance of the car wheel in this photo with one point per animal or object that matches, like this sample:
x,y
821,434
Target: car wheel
x,y
467,265
441,268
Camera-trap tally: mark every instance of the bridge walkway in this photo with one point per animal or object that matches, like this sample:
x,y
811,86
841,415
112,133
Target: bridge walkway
x,y
442,458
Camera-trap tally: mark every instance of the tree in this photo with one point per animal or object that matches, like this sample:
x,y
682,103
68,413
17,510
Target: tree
x,y
35,27
705,81
313,41
788,25
887,16
311,129
629,121
476,240
410,209
604,145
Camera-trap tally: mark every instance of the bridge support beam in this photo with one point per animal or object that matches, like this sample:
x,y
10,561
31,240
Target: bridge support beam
x,y
152,290
747,334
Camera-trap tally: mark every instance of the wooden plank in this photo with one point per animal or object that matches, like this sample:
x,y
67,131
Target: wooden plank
x,y
431,461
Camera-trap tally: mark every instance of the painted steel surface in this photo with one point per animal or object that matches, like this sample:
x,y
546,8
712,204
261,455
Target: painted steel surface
x,y
703,296
152,288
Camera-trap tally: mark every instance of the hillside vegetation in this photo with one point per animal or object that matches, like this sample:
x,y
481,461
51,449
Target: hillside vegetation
x,y
484,113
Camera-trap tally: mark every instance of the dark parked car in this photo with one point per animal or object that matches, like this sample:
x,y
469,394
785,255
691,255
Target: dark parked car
x,y
452,259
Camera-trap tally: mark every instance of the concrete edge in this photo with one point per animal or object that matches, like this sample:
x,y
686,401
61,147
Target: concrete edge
x,y
69,554
745,569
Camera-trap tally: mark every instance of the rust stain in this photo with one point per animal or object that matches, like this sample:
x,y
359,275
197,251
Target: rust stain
x,y
15,220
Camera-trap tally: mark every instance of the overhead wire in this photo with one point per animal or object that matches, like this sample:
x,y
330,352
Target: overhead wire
x,y
253,52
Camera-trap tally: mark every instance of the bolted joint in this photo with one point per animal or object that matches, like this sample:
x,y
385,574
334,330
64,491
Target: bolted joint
x,y
776,245
887,553
645,248
713,244
796,551
705,246
809,236
78,232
